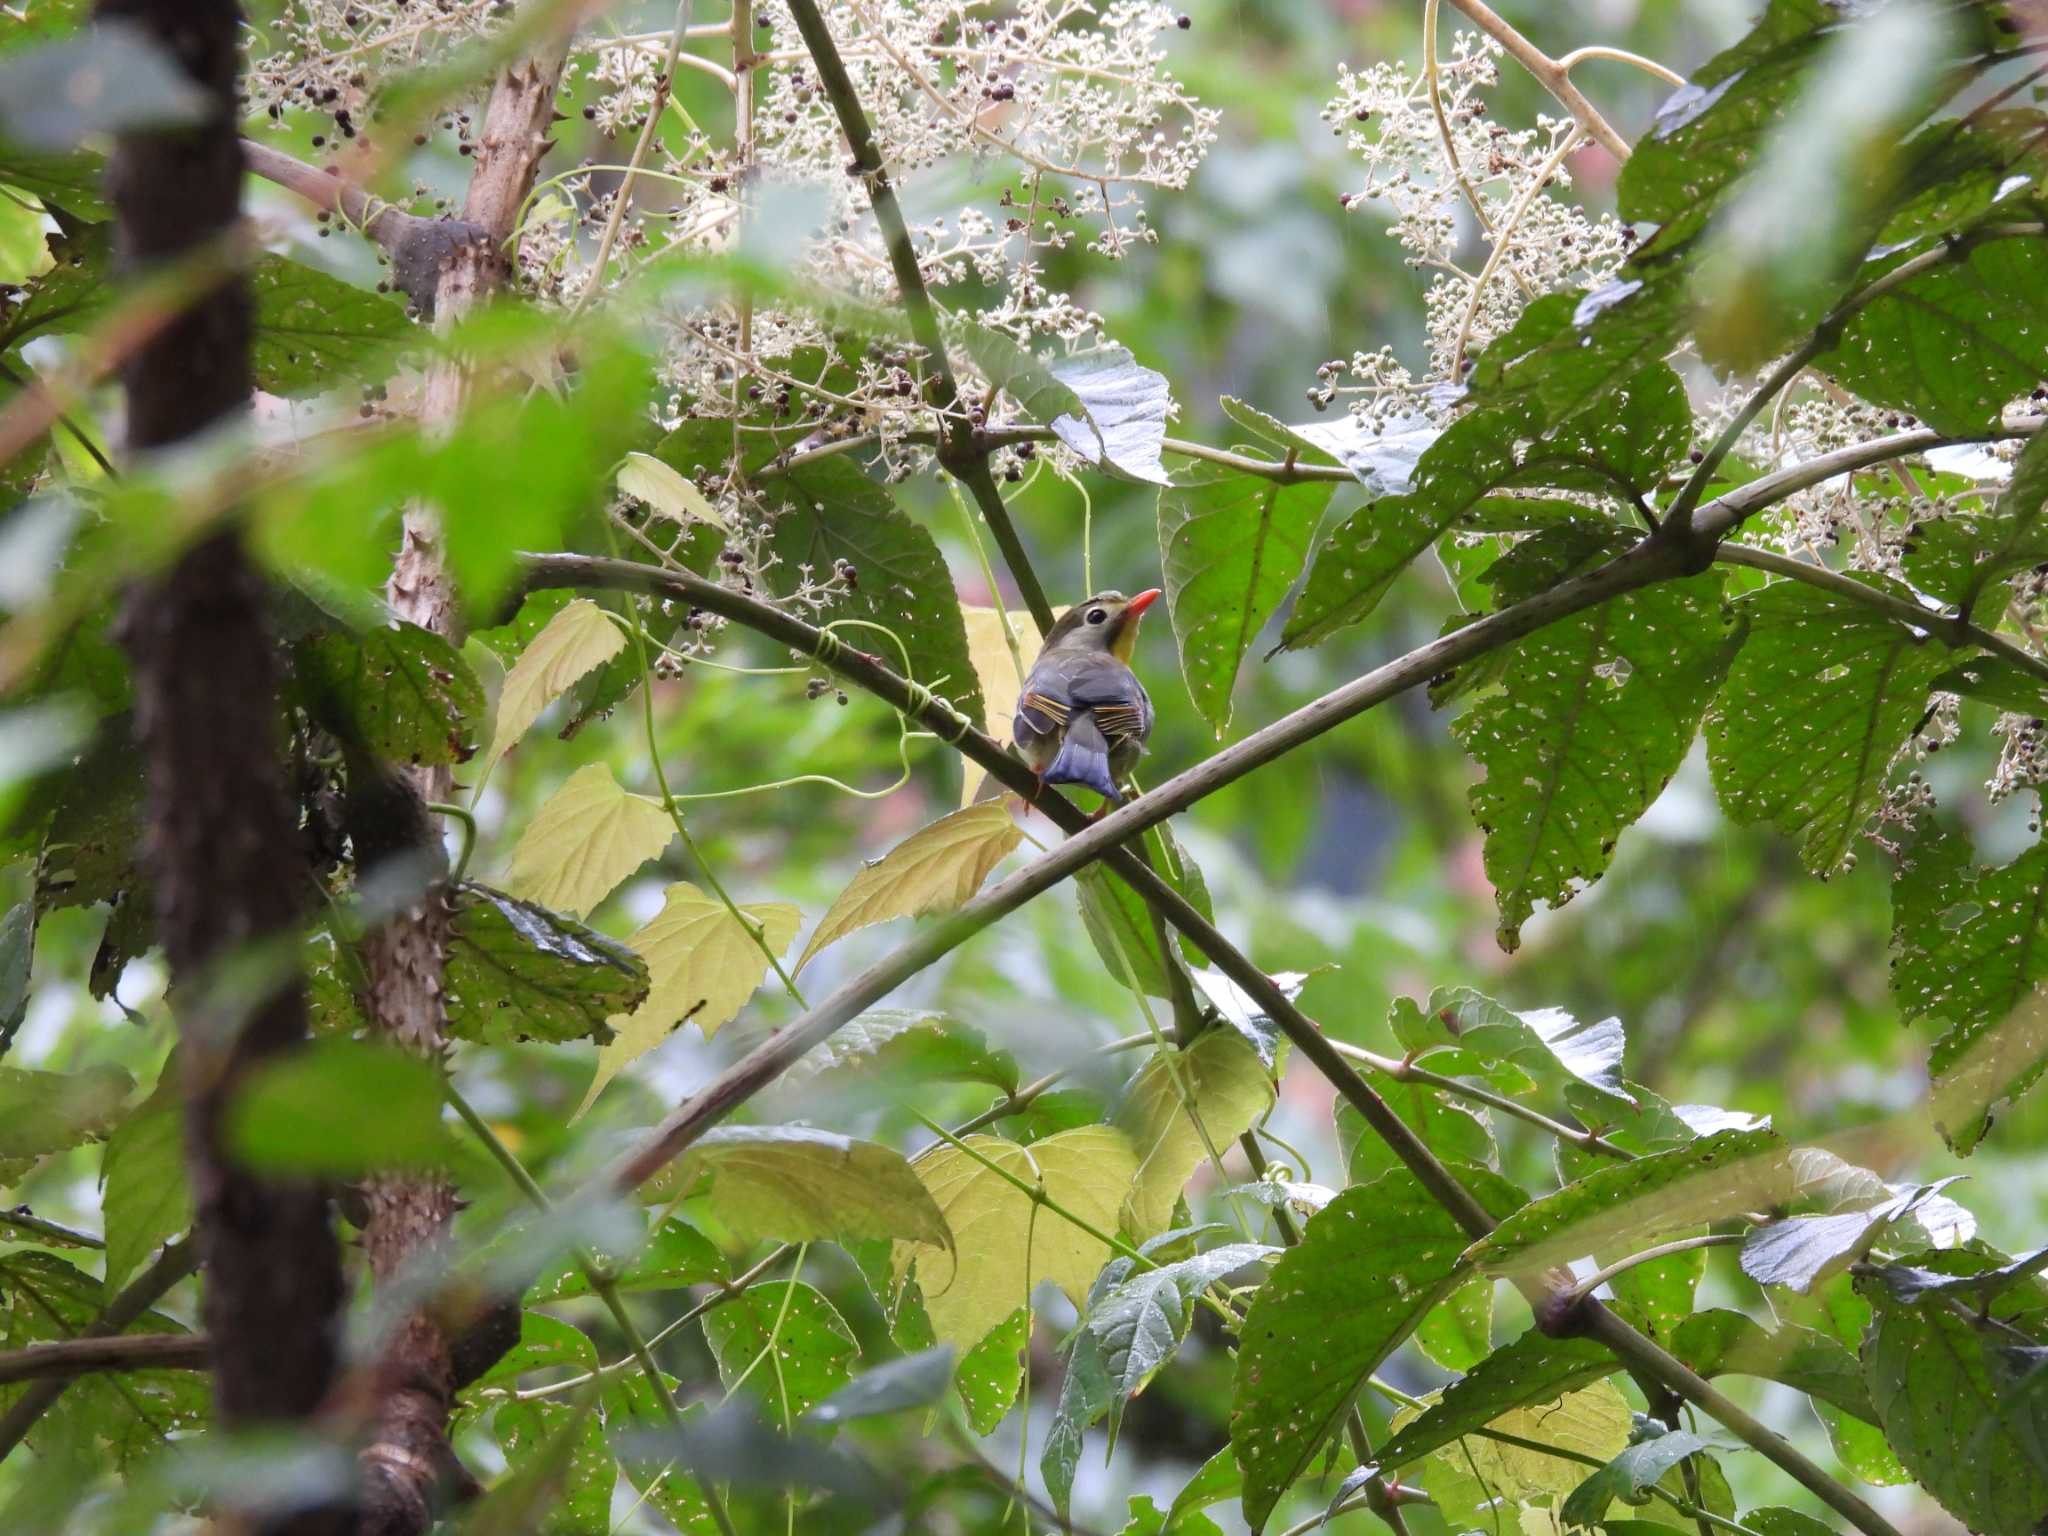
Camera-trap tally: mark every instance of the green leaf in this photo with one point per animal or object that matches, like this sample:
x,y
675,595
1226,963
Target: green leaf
x,y
1368,1267
1956,1405
664,488
1120,923
71,181
787,1343
1359,562
887,1051
94,841
630,1405
1594,716
992,1372
1181,1106
1625,449
915,1381
1994,680
1569,351
1463,1033
314,331
1380,455
43,1112
793,1184
1630,1476
826,511
146,1199
546,1343
1084,1398
17,954
1776,1520
517,971
1455,1132
1105,405
1718,1342
1004,1242
1969,943
402,693
339,1109
937,868
1231,546
1970,548
589,836
112,1420
704,962
1816,706
1532,1369
581,1498
676,1256
1139,1324
1626,1206
1458,1332
1955,344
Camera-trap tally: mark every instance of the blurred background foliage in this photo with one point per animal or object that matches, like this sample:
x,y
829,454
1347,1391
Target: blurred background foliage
x,y
1741,981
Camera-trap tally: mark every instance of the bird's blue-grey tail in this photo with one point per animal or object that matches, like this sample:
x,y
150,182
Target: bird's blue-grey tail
x,y
1083,758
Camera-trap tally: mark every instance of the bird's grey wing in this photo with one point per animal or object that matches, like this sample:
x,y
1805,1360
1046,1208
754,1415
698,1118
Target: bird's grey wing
x,y
1044,707
1112,692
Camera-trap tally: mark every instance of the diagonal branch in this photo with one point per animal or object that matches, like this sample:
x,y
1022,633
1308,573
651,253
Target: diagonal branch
x,y
1554,76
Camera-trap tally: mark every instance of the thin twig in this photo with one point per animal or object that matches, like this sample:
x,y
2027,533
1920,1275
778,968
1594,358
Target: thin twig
x,y
1549,73
1594,1281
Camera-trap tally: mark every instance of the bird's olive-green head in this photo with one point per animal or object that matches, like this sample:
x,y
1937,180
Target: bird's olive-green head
x,y
1108,622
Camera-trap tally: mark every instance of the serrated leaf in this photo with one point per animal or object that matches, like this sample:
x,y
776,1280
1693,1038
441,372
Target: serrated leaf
x,y
1821,698
589,836
703,963
1181,1105
545,1343
992,1372
1084,1398
1464,1033
43,1112
1361,559
578,639
1953,1404
1139,1324
1797,1251
1001,675
145,1198
1531,1369
1455,1132
1231,546
1367,1269
1626,1206
314,330
401,693
787,1343
1593,717
520,972
1630,1476
937,868
1004,1242
827,511
1969,943
648,479
793,1184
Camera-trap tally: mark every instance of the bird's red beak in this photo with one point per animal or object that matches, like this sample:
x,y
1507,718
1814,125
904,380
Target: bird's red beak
x,y
1140,603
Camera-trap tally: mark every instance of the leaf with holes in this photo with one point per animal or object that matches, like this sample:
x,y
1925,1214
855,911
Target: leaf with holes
x,y
936,869
1626,1206
827,511
786,1343
991,1373
1182,1106
313,330
1821,698
1593,717
1368,1267
1231,546
521,972
793,1184
1969,943
1003,1240
589,836
1380,455
704,963
579,638
401,693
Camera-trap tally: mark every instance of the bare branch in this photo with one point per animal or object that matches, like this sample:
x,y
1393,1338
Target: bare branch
x,y
1552,75
65,1358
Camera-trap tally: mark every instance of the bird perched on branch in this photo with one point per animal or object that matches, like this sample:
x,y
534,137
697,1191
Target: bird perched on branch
x,y
1084,716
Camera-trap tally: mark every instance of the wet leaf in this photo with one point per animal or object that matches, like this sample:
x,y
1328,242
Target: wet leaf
x,y
520,972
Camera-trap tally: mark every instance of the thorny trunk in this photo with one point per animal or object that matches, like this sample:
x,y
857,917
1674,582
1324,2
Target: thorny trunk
x,y
408,1454
222,839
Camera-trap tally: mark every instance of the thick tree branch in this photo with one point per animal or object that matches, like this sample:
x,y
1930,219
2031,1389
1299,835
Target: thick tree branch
x,y
66,1358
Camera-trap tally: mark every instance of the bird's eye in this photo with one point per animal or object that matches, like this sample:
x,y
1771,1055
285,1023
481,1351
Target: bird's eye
x,y
1097,615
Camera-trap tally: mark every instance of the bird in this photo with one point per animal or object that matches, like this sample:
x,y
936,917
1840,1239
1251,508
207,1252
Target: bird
x,y
1083,715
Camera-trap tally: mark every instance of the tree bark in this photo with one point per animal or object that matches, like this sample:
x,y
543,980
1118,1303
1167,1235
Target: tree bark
x,y
221,833
407,1454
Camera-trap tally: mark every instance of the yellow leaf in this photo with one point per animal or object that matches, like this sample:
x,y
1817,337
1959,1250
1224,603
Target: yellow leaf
x,y
793,1184
1468,1475
1228,1088
1001,679
577,640
1004,1243
935,869
585,840
646,478
697,953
